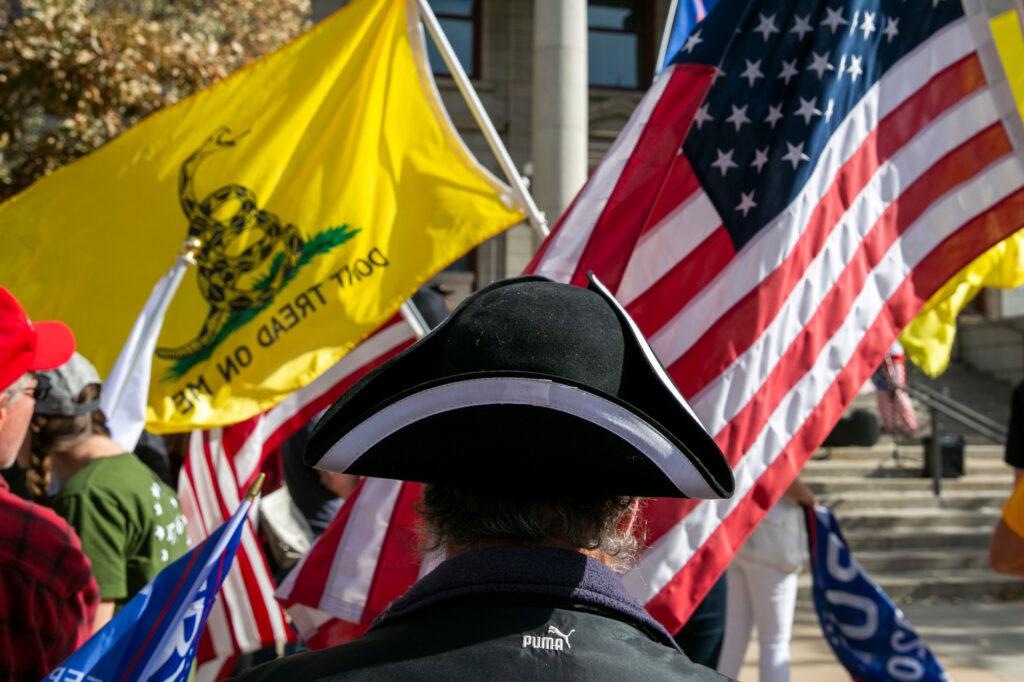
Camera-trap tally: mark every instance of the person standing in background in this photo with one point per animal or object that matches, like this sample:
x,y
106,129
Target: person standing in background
x,y
1014,453
1006,552
895,408
762,588
48,597
317,494
702,635
129,521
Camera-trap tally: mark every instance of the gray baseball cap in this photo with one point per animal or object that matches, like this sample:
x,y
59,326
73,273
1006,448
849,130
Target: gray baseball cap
x,y
62,387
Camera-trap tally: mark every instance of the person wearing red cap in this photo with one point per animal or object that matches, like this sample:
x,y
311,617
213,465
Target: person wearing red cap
x,y
48,596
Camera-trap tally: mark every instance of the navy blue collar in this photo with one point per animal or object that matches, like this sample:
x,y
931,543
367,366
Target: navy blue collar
x,y
543,571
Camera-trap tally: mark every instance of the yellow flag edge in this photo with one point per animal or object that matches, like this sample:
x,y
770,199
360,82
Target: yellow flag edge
x,y
1006,33
419,48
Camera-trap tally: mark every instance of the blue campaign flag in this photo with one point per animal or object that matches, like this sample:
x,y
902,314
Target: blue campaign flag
x,y
156,634
867,632
683,16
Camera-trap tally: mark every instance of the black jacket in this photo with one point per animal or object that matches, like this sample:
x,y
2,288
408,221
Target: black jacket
x,y
504,614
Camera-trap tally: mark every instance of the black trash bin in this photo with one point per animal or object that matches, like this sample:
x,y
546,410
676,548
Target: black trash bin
x,y
951,455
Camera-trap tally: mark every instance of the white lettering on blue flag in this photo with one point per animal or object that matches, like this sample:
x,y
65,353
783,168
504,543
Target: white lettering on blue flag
x,y
867,632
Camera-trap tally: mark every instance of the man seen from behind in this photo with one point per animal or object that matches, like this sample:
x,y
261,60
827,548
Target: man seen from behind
x,y
538,418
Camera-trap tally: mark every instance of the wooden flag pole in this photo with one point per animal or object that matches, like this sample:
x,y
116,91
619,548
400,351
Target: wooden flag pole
x,y
533,214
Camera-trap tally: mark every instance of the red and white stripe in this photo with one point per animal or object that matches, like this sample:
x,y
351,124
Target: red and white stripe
x,y
770,343
222,464
365,559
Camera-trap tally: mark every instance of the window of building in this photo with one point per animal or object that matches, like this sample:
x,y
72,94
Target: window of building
x,y
620,48
460,20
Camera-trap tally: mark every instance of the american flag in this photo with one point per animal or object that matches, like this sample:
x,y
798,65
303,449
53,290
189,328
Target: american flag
x,y
221,465
847,159
782,202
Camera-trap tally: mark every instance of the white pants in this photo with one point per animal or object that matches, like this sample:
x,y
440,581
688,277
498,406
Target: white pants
x,y
763,596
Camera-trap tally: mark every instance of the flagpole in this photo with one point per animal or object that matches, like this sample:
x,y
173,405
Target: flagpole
x,y
670,21
255,488
415,318
186,257
533,214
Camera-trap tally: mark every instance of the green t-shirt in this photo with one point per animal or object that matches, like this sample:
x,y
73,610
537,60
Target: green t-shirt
x,y
129,521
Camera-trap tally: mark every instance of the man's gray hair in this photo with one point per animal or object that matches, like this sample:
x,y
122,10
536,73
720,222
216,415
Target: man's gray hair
x,y
459,517
11,394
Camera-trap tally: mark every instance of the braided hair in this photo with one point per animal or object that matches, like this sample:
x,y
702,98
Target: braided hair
x,y
52,434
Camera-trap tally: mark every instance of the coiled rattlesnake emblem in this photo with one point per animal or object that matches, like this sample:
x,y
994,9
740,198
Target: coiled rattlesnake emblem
x,y
246,255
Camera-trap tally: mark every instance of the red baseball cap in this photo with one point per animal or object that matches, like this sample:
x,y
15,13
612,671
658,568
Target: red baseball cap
x,y
27,346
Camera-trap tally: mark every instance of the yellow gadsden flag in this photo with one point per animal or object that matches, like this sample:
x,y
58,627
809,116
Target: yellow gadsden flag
x,y
325,184
928,339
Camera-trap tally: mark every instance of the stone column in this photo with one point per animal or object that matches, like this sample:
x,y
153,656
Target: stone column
x,y
560,103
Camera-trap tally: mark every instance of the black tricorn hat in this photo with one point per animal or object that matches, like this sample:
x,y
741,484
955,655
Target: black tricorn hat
x,y
533,387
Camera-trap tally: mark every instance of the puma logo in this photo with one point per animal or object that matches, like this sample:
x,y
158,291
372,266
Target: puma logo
x,y
552,630
559,642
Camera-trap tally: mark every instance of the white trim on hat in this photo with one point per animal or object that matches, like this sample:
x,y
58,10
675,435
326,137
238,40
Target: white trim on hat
x,y
649,355
577,402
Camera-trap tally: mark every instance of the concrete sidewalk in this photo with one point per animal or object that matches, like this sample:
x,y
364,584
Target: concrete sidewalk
x,y
978,641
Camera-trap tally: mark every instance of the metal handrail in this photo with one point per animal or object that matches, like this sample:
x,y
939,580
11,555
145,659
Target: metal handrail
x,y
974,420
937,404
960,413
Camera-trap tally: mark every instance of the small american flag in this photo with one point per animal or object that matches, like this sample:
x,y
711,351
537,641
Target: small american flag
x,y
222,463
847,159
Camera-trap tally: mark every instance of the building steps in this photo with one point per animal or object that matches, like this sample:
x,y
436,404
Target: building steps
x,y
917,499
913,544
937,536
830,485
965,584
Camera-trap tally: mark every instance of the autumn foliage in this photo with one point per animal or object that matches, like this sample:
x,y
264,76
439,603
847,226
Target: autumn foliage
x,y
76,73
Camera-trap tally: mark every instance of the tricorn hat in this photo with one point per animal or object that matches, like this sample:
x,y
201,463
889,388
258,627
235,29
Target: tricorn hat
x,y
530,386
